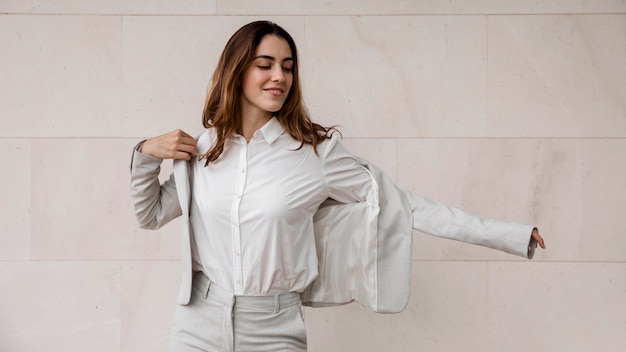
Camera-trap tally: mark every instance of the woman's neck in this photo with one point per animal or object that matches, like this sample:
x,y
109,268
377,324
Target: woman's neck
x,y
251,124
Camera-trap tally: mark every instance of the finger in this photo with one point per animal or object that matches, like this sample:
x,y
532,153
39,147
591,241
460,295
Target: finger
x,y
183,137
187,143
181,156
539,239
186,148
183,133
541,243
181,142
178,136
188,140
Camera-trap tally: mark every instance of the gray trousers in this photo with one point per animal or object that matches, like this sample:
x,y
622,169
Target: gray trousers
x,y
215,320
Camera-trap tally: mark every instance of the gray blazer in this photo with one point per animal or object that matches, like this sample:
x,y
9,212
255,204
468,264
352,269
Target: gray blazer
x,y
364,249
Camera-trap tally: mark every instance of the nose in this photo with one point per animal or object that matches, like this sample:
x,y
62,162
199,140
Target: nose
x,y
277,74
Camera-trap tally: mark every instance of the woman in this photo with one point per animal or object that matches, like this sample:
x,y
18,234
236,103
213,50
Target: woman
x,y
256,177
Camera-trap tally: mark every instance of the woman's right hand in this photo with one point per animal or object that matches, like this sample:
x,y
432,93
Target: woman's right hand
x,y
171,145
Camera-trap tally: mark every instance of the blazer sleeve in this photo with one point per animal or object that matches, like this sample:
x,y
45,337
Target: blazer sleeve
x,y
440,220
155,204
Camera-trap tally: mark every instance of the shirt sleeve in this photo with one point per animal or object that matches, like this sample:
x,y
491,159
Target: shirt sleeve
x,y
346,179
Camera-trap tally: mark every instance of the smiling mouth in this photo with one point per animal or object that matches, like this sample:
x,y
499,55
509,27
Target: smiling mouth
x,y
275,91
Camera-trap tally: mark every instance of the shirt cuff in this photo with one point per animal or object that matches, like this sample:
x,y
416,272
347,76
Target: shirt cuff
x,y
139,145
532,245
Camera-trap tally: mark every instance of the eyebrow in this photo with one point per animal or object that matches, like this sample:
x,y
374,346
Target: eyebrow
x,y
267,57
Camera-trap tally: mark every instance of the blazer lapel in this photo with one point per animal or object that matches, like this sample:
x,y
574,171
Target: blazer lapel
x,y
183,188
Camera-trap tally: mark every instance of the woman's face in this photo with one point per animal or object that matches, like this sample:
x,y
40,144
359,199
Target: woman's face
x,y
268,78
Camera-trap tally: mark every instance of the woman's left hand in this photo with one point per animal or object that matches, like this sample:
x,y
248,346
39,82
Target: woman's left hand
x,y
535,236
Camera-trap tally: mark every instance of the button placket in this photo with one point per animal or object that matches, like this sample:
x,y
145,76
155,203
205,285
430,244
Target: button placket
x,y
235,221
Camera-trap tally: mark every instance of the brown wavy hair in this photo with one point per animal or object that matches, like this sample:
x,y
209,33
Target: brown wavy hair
x,y
222,109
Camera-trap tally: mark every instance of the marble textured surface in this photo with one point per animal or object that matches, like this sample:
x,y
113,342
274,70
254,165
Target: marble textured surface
x,y
548,77
60,306
61,75
150,290
81,205
509,109
112,7
15,216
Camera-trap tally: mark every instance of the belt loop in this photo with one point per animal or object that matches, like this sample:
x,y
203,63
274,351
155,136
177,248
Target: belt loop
x,y
276,303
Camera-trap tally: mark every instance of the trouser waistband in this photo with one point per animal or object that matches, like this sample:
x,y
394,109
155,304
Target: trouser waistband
x,y
261,303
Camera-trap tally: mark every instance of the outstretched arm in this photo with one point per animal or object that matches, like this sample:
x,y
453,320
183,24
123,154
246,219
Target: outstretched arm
x,y
440,220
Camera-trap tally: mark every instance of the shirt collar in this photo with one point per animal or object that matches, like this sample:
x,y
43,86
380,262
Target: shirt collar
x,y
272,130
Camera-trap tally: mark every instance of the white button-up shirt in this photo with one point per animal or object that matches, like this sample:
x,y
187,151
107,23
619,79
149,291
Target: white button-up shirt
x,y
252,209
